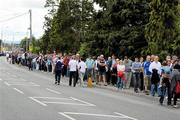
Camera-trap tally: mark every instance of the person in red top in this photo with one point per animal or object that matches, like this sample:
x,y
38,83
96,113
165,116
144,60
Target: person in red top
x,y
65,63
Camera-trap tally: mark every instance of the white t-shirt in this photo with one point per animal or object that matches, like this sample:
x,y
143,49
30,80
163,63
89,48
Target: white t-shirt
x,y
120,67
82,67
73,65
155,65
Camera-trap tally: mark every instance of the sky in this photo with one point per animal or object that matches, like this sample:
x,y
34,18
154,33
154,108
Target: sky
x,y
16,29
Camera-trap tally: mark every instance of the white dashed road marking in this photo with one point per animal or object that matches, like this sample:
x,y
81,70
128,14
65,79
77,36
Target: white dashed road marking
x,y
53,91
125,116
67,116
18,90
89,104
21,83
43,104
7,83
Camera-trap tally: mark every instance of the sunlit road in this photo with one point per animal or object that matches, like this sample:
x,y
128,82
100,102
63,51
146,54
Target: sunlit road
x,y
32,95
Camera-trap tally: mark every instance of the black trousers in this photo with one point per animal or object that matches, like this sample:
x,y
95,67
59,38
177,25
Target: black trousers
x,y
64,71
58,76
72,76
176,95
165,87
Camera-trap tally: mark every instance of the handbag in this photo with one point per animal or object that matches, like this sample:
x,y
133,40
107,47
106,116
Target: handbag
x,y
178,87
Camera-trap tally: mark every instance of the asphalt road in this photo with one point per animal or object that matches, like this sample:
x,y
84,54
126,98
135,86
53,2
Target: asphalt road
x,y
27,95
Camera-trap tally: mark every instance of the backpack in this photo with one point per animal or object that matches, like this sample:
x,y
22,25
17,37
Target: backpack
x,y
58,66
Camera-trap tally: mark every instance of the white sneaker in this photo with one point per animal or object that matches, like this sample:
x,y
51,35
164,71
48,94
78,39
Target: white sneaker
x,y
175,106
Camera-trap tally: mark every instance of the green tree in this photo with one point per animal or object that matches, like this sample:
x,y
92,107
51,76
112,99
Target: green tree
x,y
119,27
68,28
23,43
161,31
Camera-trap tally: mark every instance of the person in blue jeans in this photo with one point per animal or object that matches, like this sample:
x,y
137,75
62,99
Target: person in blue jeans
x,y
136,67
165,83
155,69
120,74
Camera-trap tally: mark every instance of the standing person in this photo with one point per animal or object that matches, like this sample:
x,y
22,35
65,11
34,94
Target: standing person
x,y
96,75
49,63
120,74
155,69
165,83
73,69
54,58
108,72
90,66
128,72
58,71
65,62
102,69
7,57
82,69
141,74
136,67
147,74
77,71
29,61
175,83
114,71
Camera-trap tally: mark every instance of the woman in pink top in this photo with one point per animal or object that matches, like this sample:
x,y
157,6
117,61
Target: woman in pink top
x,y
120,74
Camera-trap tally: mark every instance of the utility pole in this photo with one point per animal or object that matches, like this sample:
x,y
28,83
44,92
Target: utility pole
x,y
30,28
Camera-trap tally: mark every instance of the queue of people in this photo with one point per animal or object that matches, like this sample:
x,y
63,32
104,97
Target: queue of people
x,y
149,76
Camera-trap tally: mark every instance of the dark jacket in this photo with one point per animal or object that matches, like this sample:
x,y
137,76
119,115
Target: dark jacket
x,y
175,79
155,77
58,66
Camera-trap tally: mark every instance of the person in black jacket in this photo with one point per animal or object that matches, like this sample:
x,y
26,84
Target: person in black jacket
x,y
58,71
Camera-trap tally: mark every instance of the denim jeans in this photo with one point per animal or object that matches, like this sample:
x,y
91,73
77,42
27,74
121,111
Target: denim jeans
x,y
58,76
136,78
155,88
119,83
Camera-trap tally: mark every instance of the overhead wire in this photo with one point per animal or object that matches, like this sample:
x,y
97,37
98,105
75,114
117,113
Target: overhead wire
x,y
14,17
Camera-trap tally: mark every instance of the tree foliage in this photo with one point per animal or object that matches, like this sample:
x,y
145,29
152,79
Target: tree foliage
x,y
161,31
121,27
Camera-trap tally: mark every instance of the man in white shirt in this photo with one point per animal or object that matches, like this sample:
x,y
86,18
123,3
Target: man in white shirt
x,y
82,69
73,68
155,69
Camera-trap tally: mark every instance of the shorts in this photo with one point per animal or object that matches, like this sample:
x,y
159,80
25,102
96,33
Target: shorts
x,y
147,79
101,73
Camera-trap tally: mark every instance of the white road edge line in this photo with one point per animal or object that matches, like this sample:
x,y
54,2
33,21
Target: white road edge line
x,y
53,91
7,83
67,116
89,104
125,116
18,90
43,104
95,115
